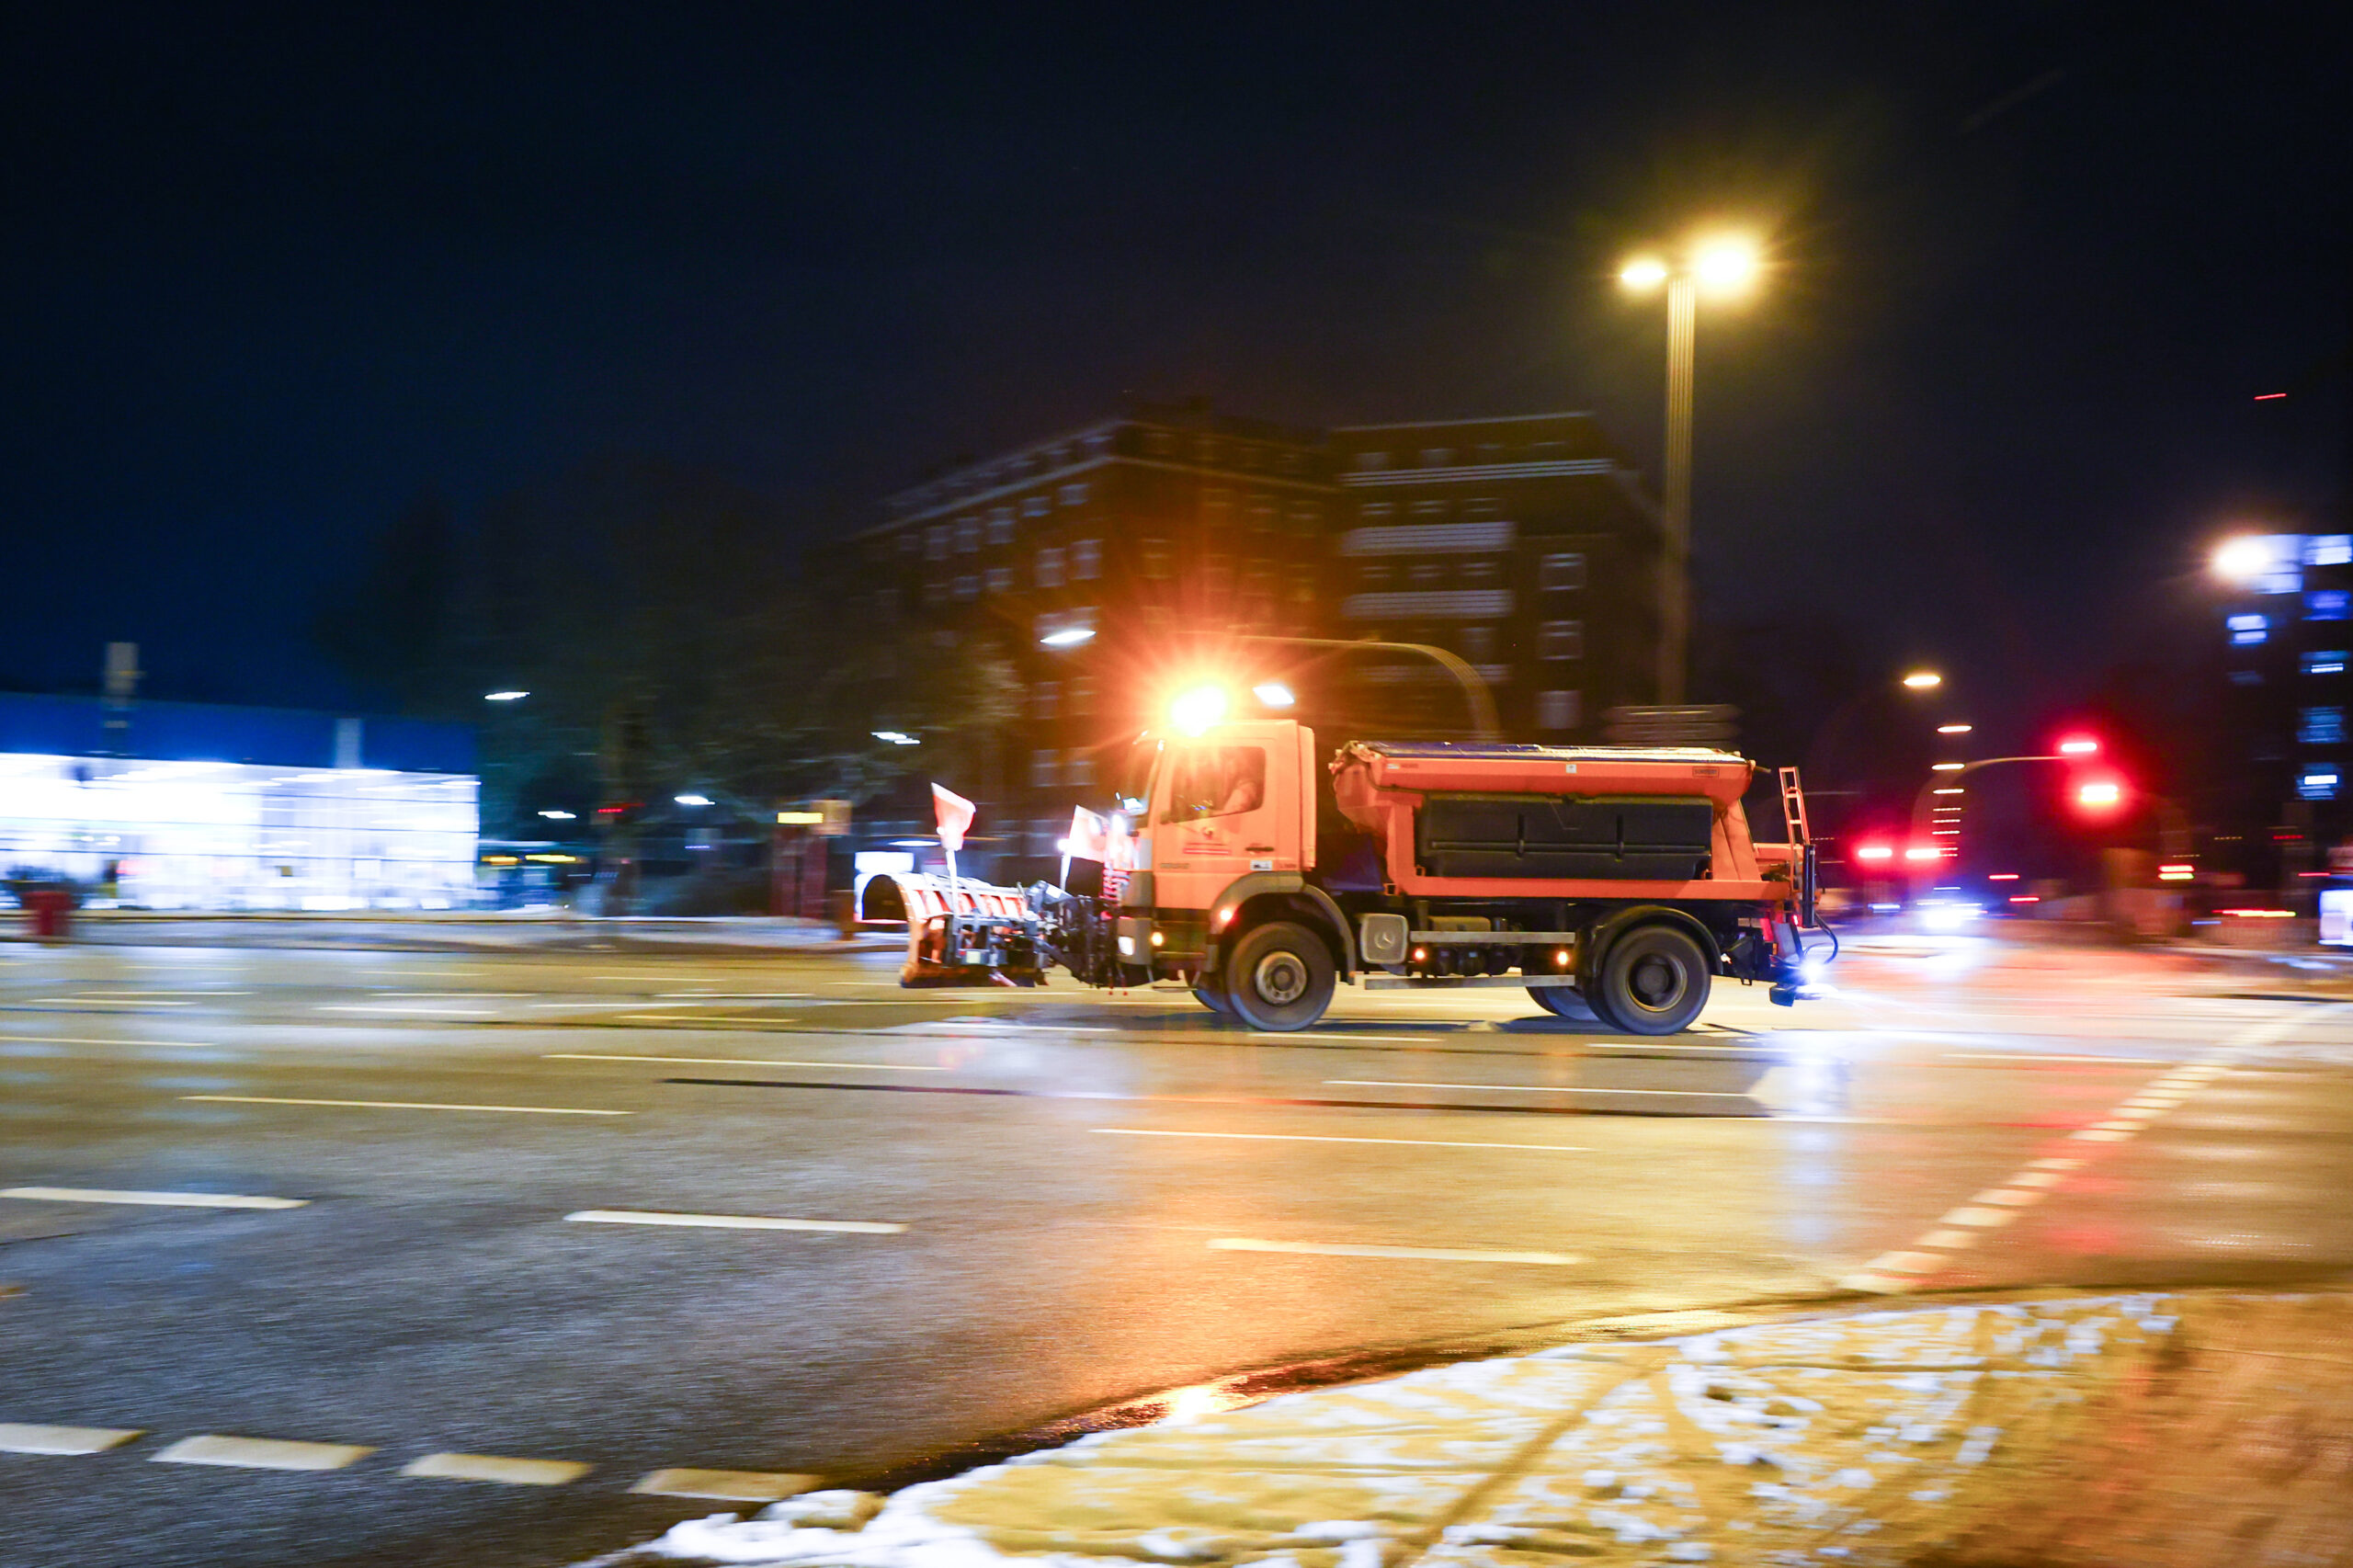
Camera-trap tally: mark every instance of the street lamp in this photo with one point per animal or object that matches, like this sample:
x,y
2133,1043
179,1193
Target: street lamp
x,y
1724,264
1924,680
504,696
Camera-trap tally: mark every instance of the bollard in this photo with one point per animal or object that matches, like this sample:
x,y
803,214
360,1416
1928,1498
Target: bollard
x,y
48,914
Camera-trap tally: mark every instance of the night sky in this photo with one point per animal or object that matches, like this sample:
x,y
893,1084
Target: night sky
x,y
271,273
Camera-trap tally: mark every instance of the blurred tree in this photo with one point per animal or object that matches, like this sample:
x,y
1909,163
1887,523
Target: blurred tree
x,y
390,625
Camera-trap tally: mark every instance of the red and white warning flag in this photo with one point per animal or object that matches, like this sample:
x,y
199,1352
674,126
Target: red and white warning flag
x,y
1090,836
955,816
1120,848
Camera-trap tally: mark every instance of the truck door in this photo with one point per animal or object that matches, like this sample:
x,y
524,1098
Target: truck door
x,y
1231,807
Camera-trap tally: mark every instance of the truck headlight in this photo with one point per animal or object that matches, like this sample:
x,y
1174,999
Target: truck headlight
x,y
1127,946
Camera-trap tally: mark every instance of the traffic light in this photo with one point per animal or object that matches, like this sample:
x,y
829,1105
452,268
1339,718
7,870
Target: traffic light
x,y
2098,797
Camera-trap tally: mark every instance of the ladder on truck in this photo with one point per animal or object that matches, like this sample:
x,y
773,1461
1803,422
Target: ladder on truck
x,y
1800,841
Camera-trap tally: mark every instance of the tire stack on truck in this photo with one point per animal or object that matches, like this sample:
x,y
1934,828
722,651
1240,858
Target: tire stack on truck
x,y
1615,881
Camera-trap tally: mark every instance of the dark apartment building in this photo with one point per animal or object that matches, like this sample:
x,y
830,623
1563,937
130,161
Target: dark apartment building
x,y
1113,565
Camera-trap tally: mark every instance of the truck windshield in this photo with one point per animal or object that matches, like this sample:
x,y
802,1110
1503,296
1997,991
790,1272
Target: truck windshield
x,y
1216,781
1133,784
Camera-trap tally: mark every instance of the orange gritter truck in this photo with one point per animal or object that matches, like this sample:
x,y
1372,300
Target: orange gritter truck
x,y
1619,881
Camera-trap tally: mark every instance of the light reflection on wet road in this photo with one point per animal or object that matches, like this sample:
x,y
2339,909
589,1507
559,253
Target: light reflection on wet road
x,y
1044,1240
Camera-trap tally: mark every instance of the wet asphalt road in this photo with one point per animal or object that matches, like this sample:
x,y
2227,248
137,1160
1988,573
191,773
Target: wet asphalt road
x,y
1145,1200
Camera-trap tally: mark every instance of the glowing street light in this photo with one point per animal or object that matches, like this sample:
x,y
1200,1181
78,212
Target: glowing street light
x,y
1273,694
1723,264
1068,637
558,817
2242,559
692,800
1954,729
504,696
1924,680
897,737
2079,745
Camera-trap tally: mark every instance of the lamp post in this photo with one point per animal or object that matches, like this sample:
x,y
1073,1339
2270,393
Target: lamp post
x,y
1725,266
1475,695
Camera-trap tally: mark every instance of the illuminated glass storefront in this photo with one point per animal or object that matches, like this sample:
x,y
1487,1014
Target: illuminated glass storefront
x,y
189,831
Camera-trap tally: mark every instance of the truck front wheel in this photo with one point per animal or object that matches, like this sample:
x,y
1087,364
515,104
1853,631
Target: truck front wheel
x,y
1653,981
1278,976
1209,994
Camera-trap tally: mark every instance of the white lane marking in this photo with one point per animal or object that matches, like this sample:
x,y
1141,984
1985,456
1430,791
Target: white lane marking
x,y
85,1039
582,1006
1330,1138
732,1221
1950,1241
1528,1088
17,1438
1890,1273
2044,1056
735,1062
144,995
159,1199
736,996
493,1467
262,1454
410,1105
1441,1255
728,1485
405,1010
90,1002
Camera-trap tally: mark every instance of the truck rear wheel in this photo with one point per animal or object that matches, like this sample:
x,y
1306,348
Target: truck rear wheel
x,y
1653,981
1278,976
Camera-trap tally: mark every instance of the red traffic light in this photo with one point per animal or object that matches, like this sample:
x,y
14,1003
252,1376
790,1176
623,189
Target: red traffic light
x,y
2099,796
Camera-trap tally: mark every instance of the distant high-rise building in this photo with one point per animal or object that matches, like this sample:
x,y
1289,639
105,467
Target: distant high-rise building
x,y
1114,565
2285,763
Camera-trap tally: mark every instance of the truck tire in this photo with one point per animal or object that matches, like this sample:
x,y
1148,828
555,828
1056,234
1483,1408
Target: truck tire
x,y
1211,996
1653,981
1278,976
1563,1002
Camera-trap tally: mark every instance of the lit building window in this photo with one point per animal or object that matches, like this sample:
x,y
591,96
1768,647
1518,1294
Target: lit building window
x,y
968,535
2328,603
1377,511
998,579
1036,506
2248,629
2329,549
2318,781
1045,699
935,542
2321,727
1483,574
1426,574
1082,695
2245,678
1045,768
1049,567
1001,526
1557,711
1074,495
935,592
2326,663
1477,643
1562,571
968,586
1154,559
1374,577
1372,462
1437,457
1561,639
1078,769
1087,560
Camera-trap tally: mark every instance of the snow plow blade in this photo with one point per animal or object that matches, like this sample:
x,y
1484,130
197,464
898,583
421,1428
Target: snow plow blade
x,y
964,933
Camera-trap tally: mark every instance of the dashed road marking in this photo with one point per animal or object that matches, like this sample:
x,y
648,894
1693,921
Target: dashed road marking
x,y
493,1467
16,1437
262,1454
95,1002
1333,1138
159,1199
85,1039
728,1485
410,1105
405,1010
1442,1255
734,1061
1892,1272
732,1221
2046,1056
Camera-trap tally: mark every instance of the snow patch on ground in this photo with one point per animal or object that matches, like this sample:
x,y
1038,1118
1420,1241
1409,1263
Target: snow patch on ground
x,y
1835,1440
